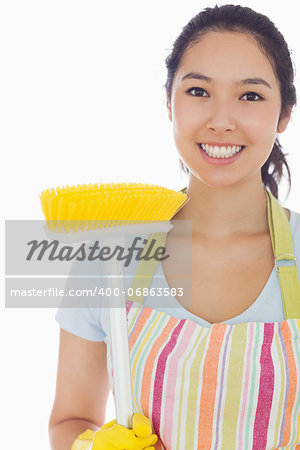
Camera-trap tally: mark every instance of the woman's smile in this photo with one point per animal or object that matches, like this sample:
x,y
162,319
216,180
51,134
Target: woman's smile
x,y
220,156
221,151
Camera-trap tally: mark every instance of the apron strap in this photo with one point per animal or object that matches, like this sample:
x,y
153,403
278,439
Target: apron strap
x,y
282,244
146,269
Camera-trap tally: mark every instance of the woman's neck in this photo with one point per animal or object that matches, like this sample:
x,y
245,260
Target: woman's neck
x,y
225,212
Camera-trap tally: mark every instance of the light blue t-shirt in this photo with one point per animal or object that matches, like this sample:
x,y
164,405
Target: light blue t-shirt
x,y
93,323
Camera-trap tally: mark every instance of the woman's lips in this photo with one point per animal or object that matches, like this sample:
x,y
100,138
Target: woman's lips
x,y
220,161
221,144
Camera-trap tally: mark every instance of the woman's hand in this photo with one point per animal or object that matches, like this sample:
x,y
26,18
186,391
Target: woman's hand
x,y
113,436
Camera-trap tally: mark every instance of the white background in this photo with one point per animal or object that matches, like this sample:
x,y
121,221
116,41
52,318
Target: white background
x,y
82,100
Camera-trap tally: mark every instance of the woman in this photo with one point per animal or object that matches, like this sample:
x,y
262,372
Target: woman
x,y
225,372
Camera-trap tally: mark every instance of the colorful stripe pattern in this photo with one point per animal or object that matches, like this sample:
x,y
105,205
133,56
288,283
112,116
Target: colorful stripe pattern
x,y
224,387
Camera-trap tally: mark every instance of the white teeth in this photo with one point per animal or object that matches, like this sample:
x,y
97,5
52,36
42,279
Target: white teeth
x,y
216,152
223,151
220,152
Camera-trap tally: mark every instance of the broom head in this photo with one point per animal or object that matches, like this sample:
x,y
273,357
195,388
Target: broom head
x,y
92,206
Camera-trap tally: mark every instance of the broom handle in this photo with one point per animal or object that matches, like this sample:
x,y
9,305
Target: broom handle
x,y
119,345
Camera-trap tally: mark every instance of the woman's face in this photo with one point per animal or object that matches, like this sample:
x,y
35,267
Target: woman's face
x,y
225,96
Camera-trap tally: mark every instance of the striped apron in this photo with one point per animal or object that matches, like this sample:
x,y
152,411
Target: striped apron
x,y
224,387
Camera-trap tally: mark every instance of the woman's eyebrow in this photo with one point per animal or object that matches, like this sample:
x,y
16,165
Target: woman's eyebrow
x,y
200,76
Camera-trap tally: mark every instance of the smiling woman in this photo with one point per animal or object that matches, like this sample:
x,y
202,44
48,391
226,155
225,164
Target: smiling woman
x,y
225,372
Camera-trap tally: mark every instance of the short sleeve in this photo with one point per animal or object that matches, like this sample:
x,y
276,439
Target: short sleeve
x,y
81,314
82,322
295,228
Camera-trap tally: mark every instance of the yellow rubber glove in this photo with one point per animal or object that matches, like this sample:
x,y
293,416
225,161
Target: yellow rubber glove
x,y
113,436
84,441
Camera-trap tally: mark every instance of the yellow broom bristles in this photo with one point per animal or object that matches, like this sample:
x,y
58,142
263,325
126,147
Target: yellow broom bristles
x,y
109,204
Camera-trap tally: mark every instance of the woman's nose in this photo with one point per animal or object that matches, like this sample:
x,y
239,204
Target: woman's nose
x,y
221,119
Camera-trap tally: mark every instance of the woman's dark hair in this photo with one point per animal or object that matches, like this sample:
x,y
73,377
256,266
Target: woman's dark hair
x,y
269,39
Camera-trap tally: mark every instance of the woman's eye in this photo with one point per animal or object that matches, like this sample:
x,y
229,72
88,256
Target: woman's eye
x,y
199,92
252,96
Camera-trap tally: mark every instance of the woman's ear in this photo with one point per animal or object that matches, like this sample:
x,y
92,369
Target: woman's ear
x,y
284,120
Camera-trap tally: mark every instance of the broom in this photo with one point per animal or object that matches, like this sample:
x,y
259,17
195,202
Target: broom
x,y
80,213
